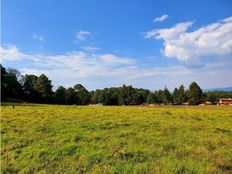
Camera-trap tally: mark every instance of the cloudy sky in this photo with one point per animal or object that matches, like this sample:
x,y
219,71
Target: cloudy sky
x,y
146,43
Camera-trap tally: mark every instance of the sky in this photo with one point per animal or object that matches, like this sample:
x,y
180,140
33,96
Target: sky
x,y
145,43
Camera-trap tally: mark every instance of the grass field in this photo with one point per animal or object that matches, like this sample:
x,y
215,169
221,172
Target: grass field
x,y
91,139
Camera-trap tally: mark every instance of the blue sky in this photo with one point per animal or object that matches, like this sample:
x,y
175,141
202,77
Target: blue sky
x,y
149,44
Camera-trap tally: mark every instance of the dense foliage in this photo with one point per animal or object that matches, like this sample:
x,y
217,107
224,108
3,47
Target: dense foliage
x,y
38,89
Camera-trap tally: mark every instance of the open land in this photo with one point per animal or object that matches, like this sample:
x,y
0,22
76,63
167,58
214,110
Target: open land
x,y
114,139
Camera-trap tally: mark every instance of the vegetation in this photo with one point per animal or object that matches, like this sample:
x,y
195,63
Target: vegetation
x,y
195,94
38,89
111,139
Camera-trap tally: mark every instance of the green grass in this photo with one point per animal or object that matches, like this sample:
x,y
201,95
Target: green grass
x,y
90,139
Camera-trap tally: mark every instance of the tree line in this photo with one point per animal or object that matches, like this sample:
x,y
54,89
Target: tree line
x,y
38,89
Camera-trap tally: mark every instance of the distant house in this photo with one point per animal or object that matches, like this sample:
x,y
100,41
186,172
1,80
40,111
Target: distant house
x,y
225,101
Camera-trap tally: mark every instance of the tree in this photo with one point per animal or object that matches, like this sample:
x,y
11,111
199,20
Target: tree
x,y
29,87
203,97
16,72
10,86
123,95
39,89
129,96
151,98
135,97
110,96
211,96
179,95
95,97
91,93
70,96
166,97
175,96
44,87
82,96
106,96
59,95
3,83
159,96
143,93
194,94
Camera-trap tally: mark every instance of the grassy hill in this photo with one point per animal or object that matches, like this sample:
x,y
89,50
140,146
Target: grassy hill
x,y
105,139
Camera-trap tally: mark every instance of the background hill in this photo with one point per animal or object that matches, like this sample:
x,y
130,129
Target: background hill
x,y
226,89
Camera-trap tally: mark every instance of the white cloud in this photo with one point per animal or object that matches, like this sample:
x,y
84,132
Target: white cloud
x,y
10,53
114,60
82,34
153,78
105,70
37,37
169,33
90,49
83,63
161,18
211,40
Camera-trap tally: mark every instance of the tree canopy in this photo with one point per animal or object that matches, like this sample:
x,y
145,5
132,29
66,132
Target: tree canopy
x,y
39,89
194,94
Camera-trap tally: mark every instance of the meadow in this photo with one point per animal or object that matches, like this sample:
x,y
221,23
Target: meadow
x,y
114,139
